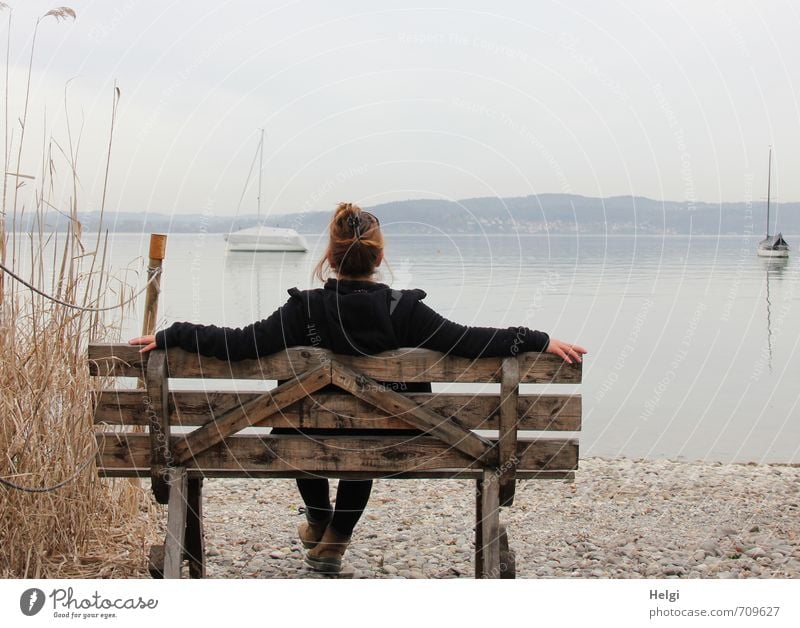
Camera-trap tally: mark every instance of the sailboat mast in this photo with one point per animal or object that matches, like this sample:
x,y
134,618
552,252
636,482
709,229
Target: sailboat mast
x,y
769,177
261,170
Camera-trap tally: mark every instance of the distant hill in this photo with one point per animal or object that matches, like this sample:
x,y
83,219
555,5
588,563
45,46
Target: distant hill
x,y
543,213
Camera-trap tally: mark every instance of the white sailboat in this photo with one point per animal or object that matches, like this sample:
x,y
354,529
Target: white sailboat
x,y
262,238
772,245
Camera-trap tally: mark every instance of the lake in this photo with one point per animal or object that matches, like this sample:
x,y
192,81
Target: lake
x,y
693,341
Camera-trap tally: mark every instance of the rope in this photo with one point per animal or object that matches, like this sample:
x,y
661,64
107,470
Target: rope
x,y
156,272
49,489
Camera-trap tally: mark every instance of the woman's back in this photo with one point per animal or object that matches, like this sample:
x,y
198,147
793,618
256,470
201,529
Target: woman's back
x,y
352,317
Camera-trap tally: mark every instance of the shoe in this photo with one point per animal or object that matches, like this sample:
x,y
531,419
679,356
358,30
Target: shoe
x,y
326,557
310,532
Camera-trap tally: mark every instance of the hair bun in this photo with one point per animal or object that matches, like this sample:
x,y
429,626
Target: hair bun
x,y
345,210
355,245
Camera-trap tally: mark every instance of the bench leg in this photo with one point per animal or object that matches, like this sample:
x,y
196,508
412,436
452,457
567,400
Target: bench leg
x,y
156,562
478,528
487,527
195,544
508,559
176,522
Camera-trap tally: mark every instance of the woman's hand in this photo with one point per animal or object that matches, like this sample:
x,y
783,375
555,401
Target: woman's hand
x,y
565,350
148,341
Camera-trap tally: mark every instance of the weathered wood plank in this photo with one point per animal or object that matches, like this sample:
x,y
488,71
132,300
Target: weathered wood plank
x,y
532,455
118,360
259,474
402,365
490,525
448,430
507,437
176,522
156,408
408,365
545,368
193,408
251,413
291,453
550,412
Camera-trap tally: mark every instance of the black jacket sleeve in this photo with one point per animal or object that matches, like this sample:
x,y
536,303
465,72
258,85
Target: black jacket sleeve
x,y
430,330
282,329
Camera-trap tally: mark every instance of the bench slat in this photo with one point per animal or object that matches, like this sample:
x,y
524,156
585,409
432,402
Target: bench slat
x,y
336,410
118,360
284,453
438,474
409,365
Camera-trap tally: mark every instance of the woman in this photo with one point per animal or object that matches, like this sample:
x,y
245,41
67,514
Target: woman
x,y
352,314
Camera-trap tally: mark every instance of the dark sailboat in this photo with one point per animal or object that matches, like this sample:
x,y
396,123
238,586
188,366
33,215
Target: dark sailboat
x,y
772,245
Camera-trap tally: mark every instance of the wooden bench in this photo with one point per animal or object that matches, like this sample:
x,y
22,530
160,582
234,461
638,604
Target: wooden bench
x,y
194,434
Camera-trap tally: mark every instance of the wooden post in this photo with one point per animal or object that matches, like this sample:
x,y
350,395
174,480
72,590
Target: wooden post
x,y
176,522
509,420
195,543
158,248
508,559
490,524
479,528
156,408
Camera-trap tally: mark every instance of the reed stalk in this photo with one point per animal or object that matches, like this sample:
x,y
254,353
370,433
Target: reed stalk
x,y
89,527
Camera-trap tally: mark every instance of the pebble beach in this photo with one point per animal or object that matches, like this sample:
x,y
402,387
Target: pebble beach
x,y
620,518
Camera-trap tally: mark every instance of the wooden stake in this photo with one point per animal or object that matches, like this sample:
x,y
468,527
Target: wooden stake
x,y
478,528
490,524
158,248
509,420
176,522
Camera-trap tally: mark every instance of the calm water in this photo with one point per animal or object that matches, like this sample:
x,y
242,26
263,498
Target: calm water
x,y
693,342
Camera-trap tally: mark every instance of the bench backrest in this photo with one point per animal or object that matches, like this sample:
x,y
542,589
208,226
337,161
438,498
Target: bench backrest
x,y
463,432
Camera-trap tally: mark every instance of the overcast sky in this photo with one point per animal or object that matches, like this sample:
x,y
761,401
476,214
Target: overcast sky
x,y
373,101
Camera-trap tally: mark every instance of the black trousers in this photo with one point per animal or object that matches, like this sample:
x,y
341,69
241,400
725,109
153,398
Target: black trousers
x,y
351,501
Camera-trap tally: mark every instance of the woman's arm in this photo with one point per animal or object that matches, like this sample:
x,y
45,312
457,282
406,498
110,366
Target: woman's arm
x,y
282,329
430,330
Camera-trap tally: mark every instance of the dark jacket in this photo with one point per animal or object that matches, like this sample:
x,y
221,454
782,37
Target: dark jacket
x,y
352,317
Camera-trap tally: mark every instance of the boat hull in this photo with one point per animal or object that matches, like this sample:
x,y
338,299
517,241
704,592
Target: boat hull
x,y
266,239
773,253
264,247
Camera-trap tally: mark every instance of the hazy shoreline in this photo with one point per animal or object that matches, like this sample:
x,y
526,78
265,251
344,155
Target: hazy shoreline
x,y
543,214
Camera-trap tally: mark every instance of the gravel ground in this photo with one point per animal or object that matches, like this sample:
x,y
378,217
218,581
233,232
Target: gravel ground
x,y
620,519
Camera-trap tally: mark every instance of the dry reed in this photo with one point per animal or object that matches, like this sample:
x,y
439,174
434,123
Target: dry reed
x,y
89,527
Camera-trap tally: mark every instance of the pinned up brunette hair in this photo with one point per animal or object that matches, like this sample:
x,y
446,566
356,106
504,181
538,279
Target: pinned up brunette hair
x,y
355,243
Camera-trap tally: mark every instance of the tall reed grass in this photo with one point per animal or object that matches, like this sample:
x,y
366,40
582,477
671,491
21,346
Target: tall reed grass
x,y
89,527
